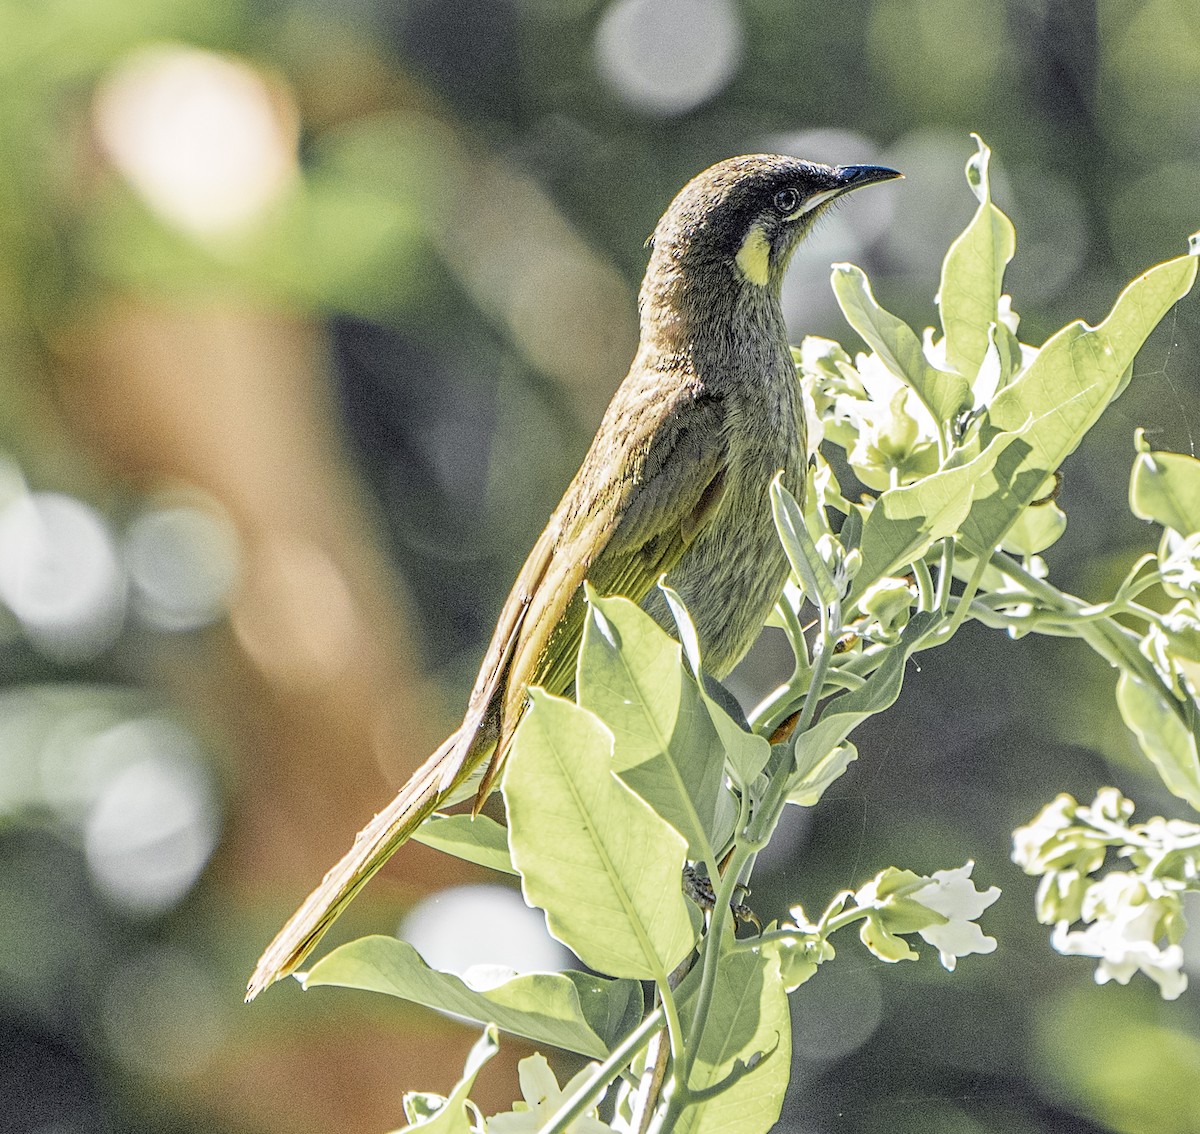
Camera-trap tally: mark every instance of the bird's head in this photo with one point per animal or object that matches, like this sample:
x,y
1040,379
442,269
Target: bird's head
x,y
746,215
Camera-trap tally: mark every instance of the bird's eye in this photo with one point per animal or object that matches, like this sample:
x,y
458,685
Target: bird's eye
x,y
787,201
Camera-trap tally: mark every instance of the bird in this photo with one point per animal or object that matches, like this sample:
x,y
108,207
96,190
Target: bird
x,y
675,485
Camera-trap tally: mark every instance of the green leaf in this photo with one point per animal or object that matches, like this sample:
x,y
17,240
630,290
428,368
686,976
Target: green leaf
x,y
806,787
945,395
1062,393
476,839
1165,488
850,535
576,1011
688,638
1164,738
798,544
748,1019
799,957
1008,353
883,942
452,1118
1037,528
906,521
973,274
848,710
746,753
606,869
631,675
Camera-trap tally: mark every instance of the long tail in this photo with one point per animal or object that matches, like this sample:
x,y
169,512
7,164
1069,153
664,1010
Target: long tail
x,y
431,785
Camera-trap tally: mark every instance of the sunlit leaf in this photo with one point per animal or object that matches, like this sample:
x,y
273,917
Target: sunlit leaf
x,y
631,675
944,394
749,1020
476,839
452,1117
1062,394
810,781
1037,528
606,869
1165,488
684,626
798,544
1164,738
745,753
973,274
576,1011
906,521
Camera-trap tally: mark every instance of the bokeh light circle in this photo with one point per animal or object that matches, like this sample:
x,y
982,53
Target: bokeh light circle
x,y
666,57
481,933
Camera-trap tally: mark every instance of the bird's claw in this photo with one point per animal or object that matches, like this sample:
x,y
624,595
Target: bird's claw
x,y
699,888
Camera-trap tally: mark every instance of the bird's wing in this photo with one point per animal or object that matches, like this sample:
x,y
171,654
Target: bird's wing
x,y
626,519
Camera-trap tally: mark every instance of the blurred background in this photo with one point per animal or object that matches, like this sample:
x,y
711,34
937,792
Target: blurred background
x,y
307,314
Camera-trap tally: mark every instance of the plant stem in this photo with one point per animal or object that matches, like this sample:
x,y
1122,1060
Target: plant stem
x,y
795,633
751,840
831,628
959,616
927,600
590,1090
945,575
674,1028
712,951
1117,644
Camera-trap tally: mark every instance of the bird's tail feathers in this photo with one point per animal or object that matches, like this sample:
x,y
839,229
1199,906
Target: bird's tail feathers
x,y
434,784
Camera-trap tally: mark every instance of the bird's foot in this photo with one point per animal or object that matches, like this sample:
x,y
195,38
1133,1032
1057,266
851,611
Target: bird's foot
x,y
699,888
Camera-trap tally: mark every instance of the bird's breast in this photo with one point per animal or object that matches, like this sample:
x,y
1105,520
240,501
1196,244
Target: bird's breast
x,y
732,573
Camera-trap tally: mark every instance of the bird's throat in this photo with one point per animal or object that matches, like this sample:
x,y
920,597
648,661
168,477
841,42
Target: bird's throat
x,y
753,260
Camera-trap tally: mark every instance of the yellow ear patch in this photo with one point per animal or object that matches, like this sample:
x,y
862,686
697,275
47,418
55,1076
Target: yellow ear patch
x,y
754,257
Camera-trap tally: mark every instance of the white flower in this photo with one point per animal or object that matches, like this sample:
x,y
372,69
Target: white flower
x,y
935,352
1179,560
1128,916
952,894
985,383
542,1098
1041,834
886,429
1181,645
941,908
1006,314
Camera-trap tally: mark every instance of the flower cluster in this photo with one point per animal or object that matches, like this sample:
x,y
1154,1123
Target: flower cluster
x,y
889,436
940,908
542,1096
1132,920
1172,645
1179,561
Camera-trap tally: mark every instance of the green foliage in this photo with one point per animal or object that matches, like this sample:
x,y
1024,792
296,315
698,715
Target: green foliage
x,y
973,276
666,748
958,438
744,1043
435,1114
476,839
571,1010
576,830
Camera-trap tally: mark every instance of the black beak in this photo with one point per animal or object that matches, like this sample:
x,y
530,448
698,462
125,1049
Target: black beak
x,y
847,177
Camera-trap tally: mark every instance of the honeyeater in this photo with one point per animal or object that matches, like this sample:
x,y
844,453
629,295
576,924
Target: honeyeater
x,y
675,483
